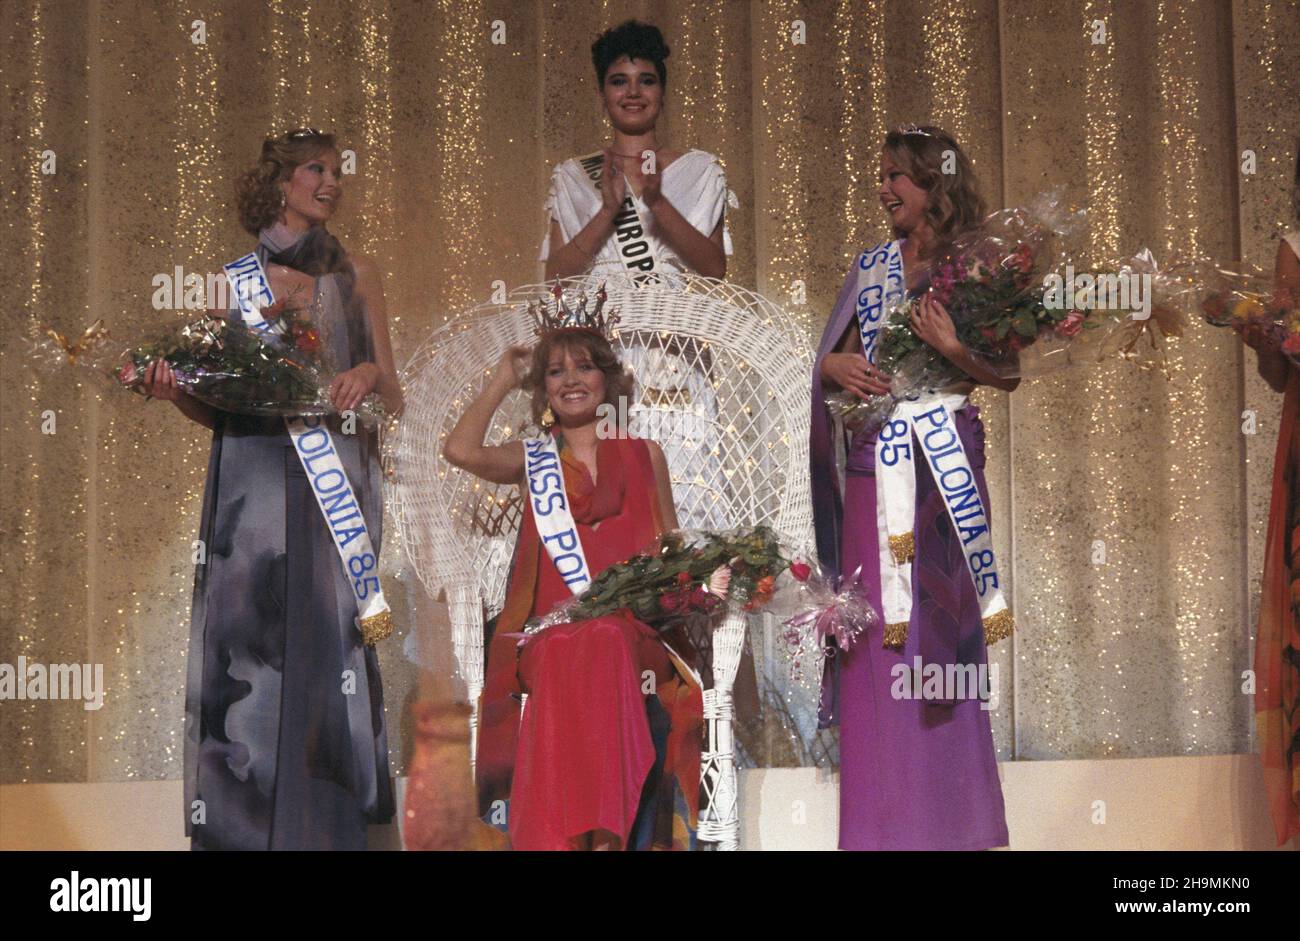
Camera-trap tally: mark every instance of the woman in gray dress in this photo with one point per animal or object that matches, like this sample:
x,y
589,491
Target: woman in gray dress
x,y
286,745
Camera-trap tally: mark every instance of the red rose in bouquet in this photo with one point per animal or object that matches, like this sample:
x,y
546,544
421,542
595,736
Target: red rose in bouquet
x,y
990,280
663,587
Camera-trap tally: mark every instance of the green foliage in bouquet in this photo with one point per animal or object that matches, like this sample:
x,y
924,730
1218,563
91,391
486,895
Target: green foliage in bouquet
x,y
234,368
675,581
987,287
230,366
283,372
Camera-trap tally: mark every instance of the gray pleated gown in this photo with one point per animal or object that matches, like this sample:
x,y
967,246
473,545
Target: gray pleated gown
x,y
285,740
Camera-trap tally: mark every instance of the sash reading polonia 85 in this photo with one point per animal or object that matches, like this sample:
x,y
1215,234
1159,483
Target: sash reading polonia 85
x,y
928,420
329,481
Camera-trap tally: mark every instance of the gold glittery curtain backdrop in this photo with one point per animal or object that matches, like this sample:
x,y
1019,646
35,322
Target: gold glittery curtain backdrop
x,y
1132,543
1131,579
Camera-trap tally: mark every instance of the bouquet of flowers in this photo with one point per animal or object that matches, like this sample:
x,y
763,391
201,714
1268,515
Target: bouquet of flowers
x,y
1000,286
1243,298
1140,336
223,362
691,573
990,281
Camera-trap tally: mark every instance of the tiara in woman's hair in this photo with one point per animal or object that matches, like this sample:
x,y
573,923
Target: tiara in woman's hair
x,y
304,132
913,129
552,315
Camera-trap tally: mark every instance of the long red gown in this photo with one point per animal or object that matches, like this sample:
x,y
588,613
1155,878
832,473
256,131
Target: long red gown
x,y
581,759
1277,643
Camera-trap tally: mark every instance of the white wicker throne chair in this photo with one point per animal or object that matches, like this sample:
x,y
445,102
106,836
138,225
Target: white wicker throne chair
x,y
738,373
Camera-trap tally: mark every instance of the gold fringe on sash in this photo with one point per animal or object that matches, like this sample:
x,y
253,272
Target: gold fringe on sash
x,y
903,548
376,627
998,626
895,634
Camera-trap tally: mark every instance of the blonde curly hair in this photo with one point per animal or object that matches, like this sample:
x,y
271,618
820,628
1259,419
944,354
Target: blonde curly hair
x,y
953,203
258,195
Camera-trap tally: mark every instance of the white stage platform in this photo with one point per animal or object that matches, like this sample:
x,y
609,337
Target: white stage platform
x,y
1195,803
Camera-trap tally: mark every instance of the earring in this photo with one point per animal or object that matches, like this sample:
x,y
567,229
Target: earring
x,y
548,418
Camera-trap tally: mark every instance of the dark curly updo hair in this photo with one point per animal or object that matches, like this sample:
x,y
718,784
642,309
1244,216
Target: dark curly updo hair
x,y
633,39
618,379
257,193
953,203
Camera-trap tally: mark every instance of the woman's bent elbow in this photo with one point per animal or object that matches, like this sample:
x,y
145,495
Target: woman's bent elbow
x,y
453,455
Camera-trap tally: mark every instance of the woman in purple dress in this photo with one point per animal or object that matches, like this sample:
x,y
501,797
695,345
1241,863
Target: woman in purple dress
x,y
918,769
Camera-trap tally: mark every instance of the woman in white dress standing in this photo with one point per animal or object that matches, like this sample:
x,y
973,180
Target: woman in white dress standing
x,y
652,212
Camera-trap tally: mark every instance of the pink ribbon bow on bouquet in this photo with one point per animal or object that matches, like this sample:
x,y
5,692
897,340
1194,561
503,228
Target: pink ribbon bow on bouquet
x,y
821,613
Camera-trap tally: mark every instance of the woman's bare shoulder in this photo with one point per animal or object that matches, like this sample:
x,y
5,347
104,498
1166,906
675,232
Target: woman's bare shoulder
x,y
284,279
656,453
363,264
369,278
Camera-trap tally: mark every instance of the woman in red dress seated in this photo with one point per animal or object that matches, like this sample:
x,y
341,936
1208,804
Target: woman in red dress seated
x,y
613,715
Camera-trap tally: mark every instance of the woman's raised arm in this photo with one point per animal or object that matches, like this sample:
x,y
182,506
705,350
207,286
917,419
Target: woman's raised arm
x,y
503,463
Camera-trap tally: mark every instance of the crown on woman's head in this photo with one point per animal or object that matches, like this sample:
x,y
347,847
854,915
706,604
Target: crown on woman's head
x,y
552,315
913,129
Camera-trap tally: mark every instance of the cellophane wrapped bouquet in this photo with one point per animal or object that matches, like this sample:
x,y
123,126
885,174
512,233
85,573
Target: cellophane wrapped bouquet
x,y
990,281
994,282
825,616
223,362
691,572
1242,298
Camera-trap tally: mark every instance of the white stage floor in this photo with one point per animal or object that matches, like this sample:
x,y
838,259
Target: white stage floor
x,y
1195,803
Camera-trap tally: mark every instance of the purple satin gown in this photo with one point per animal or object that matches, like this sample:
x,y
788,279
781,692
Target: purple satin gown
x,y
915,774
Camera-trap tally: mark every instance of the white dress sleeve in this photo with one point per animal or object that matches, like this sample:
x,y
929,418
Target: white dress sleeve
x,y
720,199
552,207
